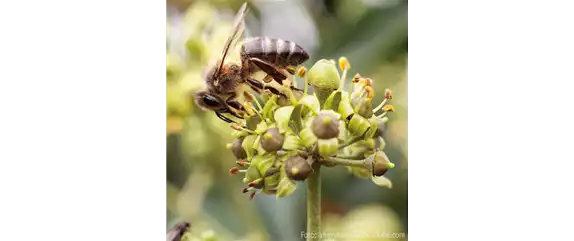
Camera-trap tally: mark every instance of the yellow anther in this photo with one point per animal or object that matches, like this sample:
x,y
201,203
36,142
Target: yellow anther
x,y
248,96
389,108
370,92
249,108
344,63
302,71
356,78
388,94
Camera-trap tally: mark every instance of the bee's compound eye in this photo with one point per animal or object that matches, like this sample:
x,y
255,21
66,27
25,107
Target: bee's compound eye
x,y
210,101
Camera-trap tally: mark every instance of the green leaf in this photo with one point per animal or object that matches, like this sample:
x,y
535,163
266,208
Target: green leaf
x,y
311,102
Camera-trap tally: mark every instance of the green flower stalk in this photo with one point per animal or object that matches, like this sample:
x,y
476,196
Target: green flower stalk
x,y
284,142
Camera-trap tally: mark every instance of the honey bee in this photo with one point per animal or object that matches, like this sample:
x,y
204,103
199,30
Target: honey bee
x,y
227,82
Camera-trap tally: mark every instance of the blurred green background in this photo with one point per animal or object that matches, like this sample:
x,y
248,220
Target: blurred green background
x,y
372,34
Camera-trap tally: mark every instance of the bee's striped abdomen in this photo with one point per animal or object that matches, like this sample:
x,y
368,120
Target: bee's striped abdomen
x,y
277,51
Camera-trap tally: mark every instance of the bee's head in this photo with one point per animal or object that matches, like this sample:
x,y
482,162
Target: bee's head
x,y
209,101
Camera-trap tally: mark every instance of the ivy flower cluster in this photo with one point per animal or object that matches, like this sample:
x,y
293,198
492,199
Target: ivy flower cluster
x,y
284,140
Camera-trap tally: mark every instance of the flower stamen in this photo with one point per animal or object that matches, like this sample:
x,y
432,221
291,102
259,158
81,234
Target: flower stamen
x,y
235,170
388,96
243,163
238,127
252,195
369,92
345,66
386,109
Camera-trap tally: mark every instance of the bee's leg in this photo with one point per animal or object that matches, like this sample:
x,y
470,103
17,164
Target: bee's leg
x,y
270,69
235,104
267,78
224,118
258,86
244,108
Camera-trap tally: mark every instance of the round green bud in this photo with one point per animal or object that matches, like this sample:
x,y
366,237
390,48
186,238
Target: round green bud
x,y
325,126
324,79
381,164
297,168
324,75
272,140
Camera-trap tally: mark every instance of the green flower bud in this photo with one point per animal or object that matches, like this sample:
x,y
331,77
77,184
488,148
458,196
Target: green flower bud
x,y
324,79
272,140
358,125
297,168
328,147
307,137
237,149
381,163
326,125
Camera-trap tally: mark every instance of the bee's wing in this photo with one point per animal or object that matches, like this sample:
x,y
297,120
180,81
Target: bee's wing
x,y
238,28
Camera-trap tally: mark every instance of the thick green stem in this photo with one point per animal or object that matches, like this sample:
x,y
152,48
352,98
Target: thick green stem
x,y
314,204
